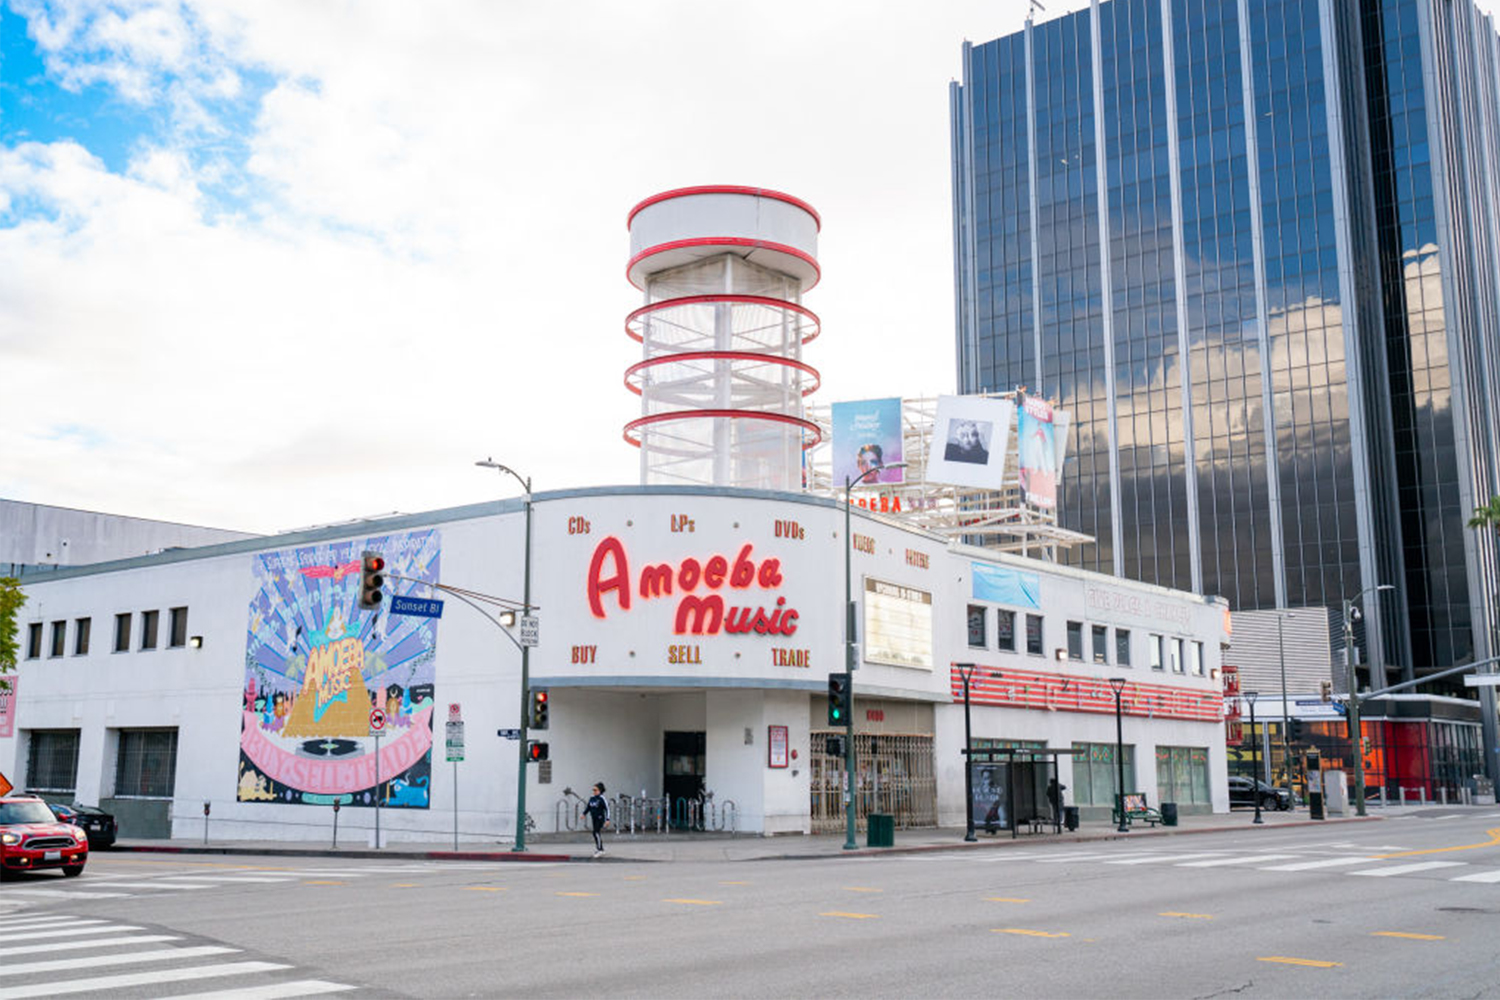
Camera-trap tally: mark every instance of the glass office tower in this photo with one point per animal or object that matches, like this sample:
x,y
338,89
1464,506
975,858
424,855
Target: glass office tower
x,y
1254,247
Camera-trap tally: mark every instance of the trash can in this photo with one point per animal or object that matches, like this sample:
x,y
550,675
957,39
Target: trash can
x,y
880,830
1070,817
1169,814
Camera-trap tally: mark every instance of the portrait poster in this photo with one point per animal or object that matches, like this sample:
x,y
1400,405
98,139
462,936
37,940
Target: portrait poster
x,y
777,743
970,441
8,705
1036,442
316,665
867,435
991,783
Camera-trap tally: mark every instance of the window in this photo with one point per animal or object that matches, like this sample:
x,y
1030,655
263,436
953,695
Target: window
x,y
52,763
1122,646
146,764
177,630
149,622
1154,642
976,627
1096,775
34,641
1175,648
81,629
122,633
1075,640
59,638
1182,775
1195,659
1034,635
1005,630
1101,644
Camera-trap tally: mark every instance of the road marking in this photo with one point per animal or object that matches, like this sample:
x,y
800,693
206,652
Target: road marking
x,y
1489,876
851,916
1029,933
1165,857
227,879
1407,869
1186,916
37,949
1302,866
55,988
403,885
642,878
157,885
696,902
1251,860
1412,937
861,888
36,921
1078,857
1005,899
1492,842
271,991
578,894
1311,963
70,931
501,888
125,958
322,881
65,894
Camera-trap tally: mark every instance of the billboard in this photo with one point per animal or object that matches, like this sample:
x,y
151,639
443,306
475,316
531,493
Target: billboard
x,y
317,666
867,435
1036,441
970,441
898,625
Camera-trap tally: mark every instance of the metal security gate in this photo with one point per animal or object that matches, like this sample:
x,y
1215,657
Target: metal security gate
x,y
895,776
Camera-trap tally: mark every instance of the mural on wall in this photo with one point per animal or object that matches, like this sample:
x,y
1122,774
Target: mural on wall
x,y
316,665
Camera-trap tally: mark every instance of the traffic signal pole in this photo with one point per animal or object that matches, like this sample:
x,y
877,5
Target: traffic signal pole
x,y
523,745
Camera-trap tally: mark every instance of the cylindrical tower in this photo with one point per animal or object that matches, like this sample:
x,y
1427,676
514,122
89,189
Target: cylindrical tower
x,y
721,378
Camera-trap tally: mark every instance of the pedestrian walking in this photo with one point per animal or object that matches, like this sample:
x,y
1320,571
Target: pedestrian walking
x,y
597,811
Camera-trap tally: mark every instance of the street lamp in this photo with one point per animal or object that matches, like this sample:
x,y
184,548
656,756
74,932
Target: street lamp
x,y
1356,731
1118,683
1286,718
489,463
969,836
849,657
1250,697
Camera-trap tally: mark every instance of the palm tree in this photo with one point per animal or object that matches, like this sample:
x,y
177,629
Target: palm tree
x,y
1487,516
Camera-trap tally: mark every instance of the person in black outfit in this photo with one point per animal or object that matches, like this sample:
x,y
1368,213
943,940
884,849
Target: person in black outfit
x,y
597,811
1054,797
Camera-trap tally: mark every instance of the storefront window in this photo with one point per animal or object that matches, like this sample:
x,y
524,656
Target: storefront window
x,y
1182,775
1095,774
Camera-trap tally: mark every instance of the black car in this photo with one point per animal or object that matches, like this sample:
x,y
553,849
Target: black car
x,y
98,824
1244,791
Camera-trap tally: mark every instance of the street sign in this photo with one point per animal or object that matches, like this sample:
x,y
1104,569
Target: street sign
x,y
530,627
1481,680
377,720
5,786
455,740
508,734
421,607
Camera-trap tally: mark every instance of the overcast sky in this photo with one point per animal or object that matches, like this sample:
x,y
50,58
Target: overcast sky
x,y
271,264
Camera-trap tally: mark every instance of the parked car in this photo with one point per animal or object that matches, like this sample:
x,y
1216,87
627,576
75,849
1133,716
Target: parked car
x,y
1244,791
32,838
98,824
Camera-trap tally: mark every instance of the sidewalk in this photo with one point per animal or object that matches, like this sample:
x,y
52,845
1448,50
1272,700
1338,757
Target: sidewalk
x,y
653,847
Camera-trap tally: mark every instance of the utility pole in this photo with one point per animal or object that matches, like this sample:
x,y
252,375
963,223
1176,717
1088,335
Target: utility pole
x,y
1356,733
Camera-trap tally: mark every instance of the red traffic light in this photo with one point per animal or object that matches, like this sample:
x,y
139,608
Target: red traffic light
x,y
537,751
374,564
541,697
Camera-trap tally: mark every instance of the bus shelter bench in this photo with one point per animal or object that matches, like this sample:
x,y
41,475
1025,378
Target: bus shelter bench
x,y
1136,809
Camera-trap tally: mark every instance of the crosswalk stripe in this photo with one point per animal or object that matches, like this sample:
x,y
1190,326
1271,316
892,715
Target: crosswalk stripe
x,y
35,920
65,894
71,931
125,958
157,885
1303,866
272,991
1490,876
133,939
1162,858
1083,857
1407,869
231,879
1252,859
59,987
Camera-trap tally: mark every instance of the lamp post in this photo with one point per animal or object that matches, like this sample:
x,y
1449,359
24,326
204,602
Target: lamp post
x,y
1356,731
525,658
969,835
1250,697
849,657
1118,684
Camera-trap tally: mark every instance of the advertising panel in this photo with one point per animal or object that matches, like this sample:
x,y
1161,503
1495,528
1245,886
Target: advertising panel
x,y
970,441
8,705
867,435
1037,446
318,668
898,625
1002,585
991,784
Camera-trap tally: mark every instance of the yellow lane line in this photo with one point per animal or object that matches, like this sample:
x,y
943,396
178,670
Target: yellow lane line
x,y
696,902
1412,937
1311,963
403,885
1029,933
1494,841
851,916
484,888
322,882
1005,899
578,894
635,878
861,888
721,883
1190,916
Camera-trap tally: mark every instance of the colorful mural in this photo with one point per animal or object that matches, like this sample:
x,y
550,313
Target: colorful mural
x,y
315,667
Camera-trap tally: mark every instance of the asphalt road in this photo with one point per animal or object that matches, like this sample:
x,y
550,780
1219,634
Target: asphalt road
x,y
1408,907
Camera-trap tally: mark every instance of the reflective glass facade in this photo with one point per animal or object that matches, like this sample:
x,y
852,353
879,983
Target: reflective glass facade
x,y
1252,246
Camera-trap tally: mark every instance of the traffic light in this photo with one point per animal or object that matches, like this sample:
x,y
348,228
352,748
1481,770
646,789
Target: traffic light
x,y
1325,690
1294,729
371,579
835,746
538,708
839,700
536,750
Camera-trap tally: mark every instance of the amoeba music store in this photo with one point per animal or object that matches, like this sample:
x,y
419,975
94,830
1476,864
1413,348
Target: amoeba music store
x,y
686,635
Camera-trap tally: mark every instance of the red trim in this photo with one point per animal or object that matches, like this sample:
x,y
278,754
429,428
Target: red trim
x,y
772,359
687,300
758,192
1047,691
726,241
782,418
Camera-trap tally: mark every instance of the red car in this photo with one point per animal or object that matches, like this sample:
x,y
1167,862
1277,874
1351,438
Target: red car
x,y
31,838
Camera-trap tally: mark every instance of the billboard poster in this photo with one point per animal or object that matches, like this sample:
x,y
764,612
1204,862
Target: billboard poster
x,y
867,435
317,666
1002,585
8,705
991,784
898,625
1037,446
969,444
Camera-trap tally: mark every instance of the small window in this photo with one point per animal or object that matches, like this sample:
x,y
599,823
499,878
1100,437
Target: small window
x,y
1122,646
1101,644
1176,651
1034,635
977,639
1075,640
81,629
59,639
1195,659
177,629
1005,630
52,761
149,621
1156,653
34,641
122,633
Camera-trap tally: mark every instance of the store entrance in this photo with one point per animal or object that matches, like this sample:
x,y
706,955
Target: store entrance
x,y
682,777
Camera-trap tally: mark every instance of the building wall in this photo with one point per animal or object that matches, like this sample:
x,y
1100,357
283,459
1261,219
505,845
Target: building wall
x,y
38,535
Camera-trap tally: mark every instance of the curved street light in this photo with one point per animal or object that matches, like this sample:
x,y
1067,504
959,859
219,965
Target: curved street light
x,y
1118,684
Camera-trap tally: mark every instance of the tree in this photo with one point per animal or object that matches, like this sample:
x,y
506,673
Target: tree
x,y
1487,516
11,599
